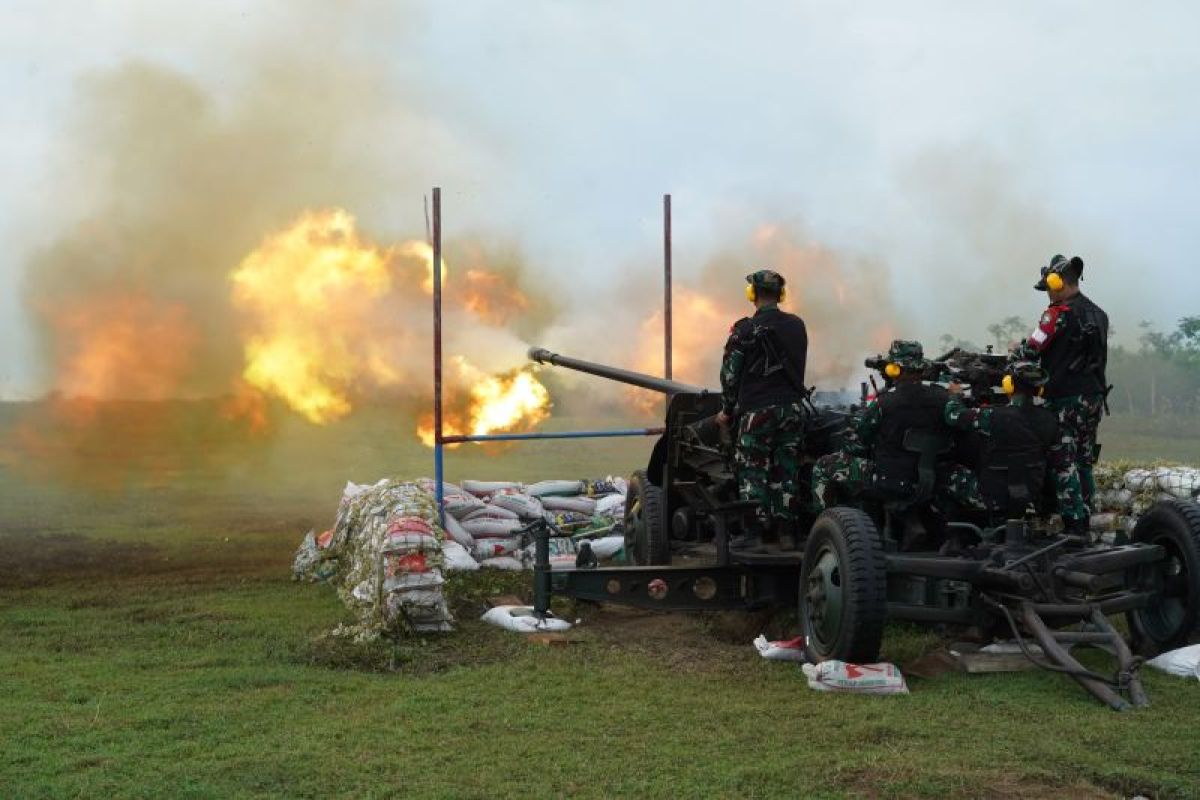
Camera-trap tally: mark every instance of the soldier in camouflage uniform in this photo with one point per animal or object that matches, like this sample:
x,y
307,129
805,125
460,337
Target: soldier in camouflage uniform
x,y
872,455
1071,344
762,389
1021,432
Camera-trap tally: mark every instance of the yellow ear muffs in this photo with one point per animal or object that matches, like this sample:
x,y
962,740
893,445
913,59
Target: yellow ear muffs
x,y
1007,385
782,295
892,370
1054,281
750,293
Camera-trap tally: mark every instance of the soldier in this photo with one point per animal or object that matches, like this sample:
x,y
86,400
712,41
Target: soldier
x,y
1020,435
873,456
762,389
1071,344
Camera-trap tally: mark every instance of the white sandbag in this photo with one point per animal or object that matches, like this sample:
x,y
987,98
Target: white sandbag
x,y
490,511
581,505
522,620
503,562
487,488
1180,482
430,485
611,505
838,676
458,533
460,504
1184,662
457,558
408,581
1139,479
486,528
522,505
491,548
559,488
607,547
788,650
1115,499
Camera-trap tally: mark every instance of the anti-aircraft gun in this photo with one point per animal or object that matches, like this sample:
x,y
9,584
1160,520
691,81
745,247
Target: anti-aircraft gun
x,y
848,573
980,372
686,498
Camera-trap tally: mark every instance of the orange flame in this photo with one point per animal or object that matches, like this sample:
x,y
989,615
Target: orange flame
x,y
514,401
310,295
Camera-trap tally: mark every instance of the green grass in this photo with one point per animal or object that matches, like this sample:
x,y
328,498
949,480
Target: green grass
x,y
151,644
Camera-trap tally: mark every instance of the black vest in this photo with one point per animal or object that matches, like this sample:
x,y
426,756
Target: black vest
x,y
1013,460
1077,357
908,406
767,339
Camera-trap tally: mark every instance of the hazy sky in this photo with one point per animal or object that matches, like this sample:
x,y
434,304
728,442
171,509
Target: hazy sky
x,y
959,144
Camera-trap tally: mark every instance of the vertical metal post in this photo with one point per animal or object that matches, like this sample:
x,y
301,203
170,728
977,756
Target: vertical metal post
x,y
437,353
667,323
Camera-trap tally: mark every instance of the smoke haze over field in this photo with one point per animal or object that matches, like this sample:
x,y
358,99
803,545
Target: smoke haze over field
x,y
908,170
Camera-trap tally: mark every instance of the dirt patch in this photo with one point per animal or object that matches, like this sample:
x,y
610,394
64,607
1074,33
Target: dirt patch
x,y
29,560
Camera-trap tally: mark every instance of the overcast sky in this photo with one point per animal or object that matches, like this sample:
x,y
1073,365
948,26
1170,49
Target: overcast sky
x,y
960,144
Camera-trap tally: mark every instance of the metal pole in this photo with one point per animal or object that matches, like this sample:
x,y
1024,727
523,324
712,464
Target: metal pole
x,y
437,352
667,324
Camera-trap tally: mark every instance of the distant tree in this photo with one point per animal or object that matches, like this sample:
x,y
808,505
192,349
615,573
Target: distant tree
x,y
1008,331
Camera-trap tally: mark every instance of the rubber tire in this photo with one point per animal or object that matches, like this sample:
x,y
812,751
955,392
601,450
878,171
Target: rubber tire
x,y
646,544
1174,524
849,534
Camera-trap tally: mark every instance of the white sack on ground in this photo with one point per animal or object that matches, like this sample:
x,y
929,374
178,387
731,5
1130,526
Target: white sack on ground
x,y
607,547
838,676
502,562
1184,662
522,620
487,528
788,650
490,511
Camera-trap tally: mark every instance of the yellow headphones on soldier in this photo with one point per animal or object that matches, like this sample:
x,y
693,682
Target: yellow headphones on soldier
x,y
893,370
752,295
1054,282
1009,385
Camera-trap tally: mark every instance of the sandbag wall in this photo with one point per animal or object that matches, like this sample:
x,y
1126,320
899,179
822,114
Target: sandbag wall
x,y
485,517
1125,490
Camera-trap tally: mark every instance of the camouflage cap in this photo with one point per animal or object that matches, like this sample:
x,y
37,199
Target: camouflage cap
x,y
1028,374
907,354
766,279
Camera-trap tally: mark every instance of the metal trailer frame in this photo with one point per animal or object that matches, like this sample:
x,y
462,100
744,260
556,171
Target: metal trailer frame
x,y
440,440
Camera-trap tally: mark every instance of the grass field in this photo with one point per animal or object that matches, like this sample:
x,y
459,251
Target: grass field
x,y
152,644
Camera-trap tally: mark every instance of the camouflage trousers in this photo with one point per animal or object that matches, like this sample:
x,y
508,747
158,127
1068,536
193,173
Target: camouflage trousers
x,y
1074,483
766,460
841,477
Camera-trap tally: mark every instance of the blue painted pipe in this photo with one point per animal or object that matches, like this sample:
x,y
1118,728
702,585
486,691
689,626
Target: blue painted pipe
x,y
511,437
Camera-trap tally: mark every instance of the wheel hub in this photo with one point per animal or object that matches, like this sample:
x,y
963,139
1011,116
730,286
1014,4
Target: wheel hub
x,y
823,595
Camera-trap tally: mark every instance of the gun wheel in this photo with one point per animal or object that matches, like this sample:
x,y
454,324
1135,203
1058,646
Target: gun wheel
x,y
1174,613
646,540
843,587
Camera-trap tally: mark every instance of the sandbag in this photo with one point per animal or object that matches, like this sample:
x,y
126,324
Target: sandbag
x,y
522,505
789,650
491,511
607,547
458,533
555,488
580,505
569,521
457,558
491,548
502,562
612,505
522,620
839,676
1184,662
486,528
460,504
603,486
486,489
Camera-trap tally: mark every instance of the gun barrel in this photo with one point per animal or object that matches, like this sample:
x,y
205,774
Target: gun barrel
x,y
544,356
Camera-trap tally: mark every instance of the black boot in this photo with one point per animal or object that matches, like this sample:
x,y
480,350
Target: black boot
x,y
1078,531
